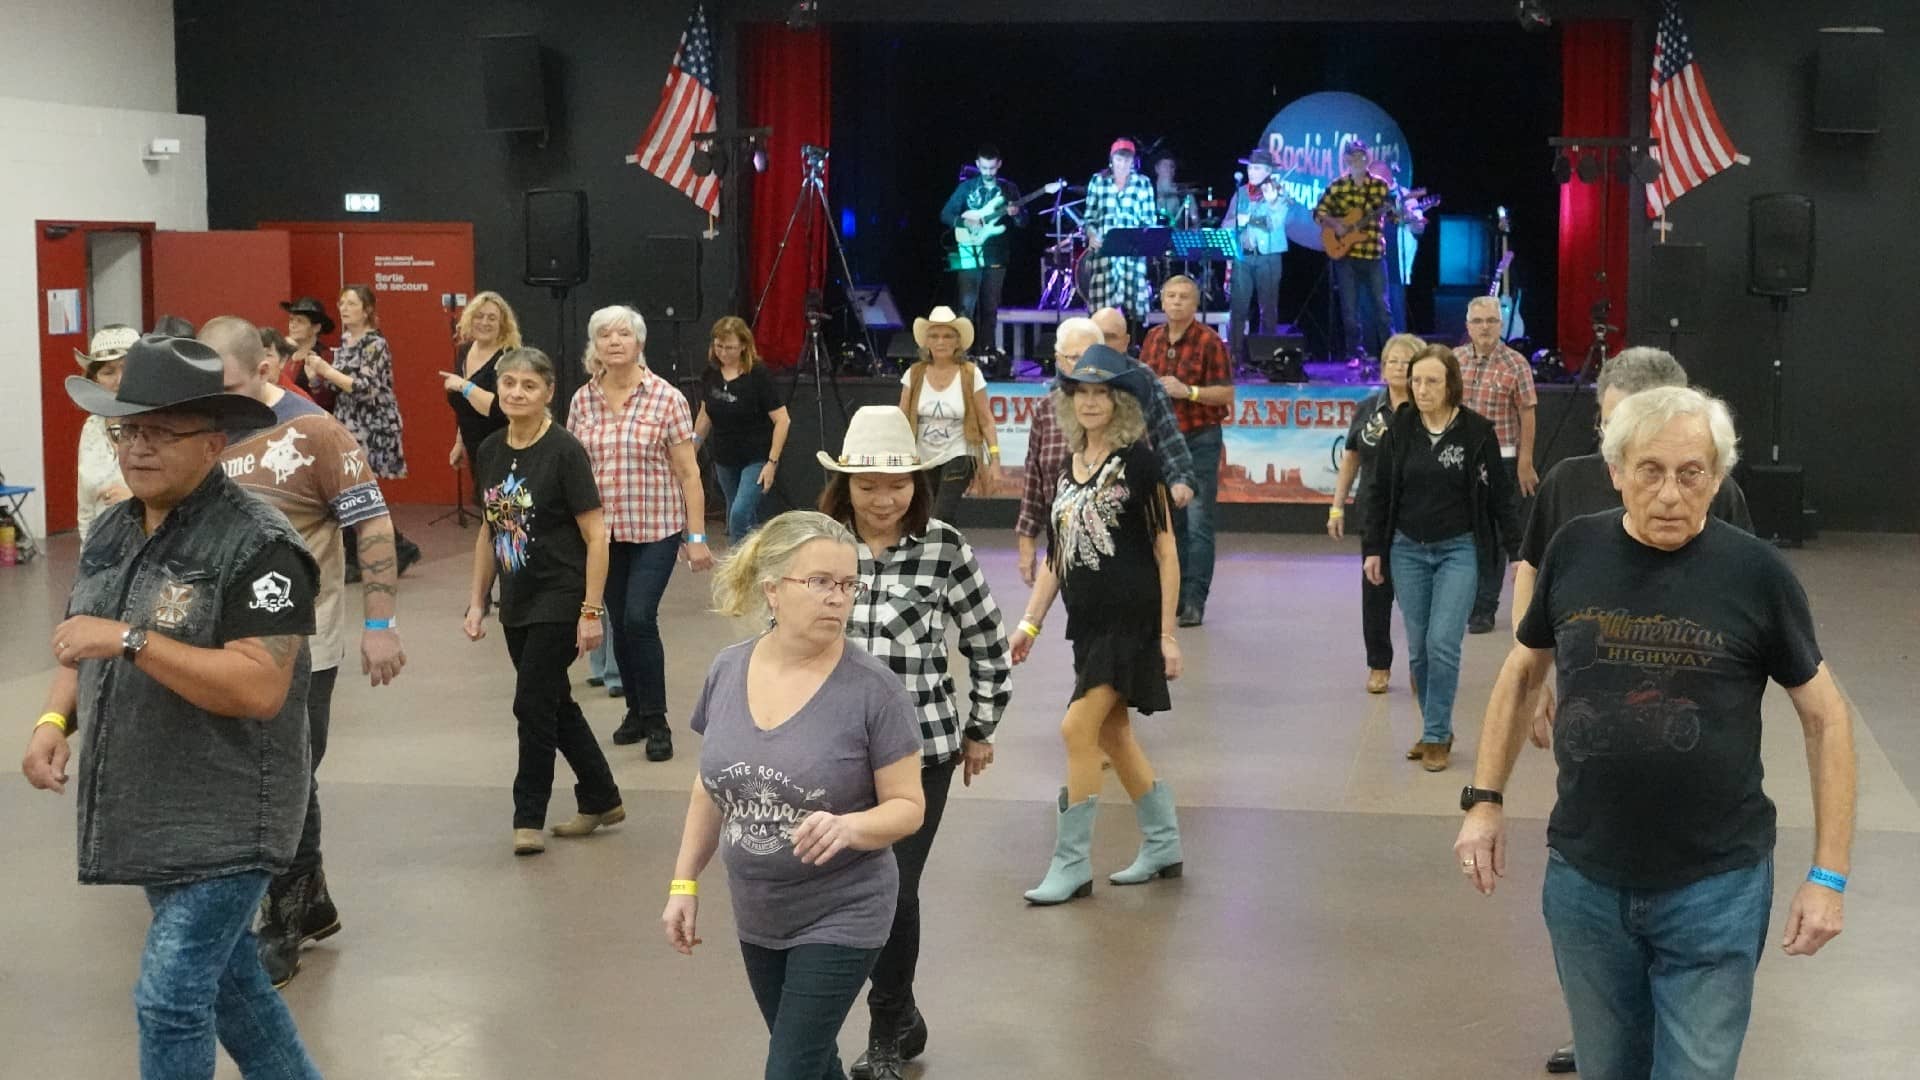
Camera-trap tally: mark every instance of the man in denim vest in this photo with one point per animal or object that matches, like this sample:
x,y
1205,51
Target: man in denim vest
x,y
184,658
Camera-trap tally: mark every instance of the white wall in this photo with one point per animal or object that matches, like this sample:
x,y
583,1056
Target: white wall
x,y
114,292
112,53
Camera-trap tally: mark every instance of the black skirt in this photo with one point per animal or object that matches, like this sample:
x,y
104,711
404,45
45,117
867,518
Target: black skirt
x,y
1125,660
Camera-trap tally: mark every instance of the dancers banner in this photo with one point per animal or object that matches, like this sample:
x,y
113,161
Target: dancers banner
x,y
1305,139
1282,443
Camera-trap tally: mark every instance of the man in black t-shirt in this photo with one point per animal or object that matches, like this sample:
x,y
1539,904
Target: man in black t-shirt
x,y
984,206
1665,627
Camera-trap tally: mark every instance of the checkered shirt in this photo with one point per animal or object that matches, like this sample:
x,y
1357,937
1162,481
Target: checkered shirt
x,y
1048,453
1498,387
915,588
1198,359
1345,195
1121,281
631,462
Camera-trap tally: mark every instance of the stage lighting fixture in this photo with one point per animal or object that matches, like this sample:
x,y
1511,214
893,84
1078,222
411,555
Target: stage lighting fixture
x,y
803,15
1562,167
760,159
702,161
1590,167
1646,167
1532,15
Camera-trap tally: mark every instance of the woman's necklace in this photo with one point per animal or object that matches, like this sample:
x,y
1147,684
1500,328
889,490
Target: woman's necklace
x,y
515,463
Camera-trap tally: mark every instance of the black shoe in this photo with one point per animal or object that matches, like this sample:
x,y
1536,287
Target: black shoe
x,y
409,554
616,691
881,1061
631,730
913,1039
1480,624
660,740
295,911
1562,1060
1189,616
595,680
353,573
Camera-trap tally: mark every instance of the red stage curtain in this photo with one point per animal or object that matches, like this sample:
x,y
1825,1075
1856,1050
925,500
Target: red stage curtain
x,y
1596,63
788,88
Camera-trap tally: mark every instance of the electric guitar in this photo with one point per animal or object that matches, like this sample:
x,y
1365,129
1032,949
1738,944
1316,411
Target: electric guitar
x,y
1511,324
1339,234
992,216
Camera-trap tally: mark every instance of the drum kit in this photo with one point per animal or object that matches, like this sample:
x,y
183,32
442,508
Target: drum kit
x,y
1064,265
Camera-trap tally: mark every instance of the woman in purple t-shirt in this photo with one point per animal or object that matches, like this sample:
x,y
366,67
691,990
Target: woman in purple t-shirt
x,y
809,772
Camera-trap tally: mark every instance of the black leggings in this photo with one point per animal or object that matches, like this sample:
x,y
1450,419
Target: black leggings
x,y
551,720
890,1002
1376,622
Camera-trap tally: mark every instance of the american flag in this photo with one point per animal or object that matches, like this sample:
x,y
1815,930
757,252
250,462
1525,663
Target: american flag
x,y
1693,144
687,105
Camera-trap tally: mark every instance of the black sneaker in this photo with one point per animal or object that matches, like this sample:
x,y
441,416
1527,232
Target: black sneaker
x,y
1480,624
409,554
1189,616
595,680
881,1061
660,740
631,730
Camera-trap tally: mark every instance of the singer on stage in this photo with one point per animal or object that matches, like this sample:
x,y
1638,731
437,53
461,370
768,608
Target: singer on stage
x,y
1118,198
1257,214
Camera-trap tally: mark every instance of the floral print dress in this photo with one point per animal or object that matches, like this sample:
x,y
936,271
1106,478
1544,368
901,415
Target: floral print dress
x,y
370,410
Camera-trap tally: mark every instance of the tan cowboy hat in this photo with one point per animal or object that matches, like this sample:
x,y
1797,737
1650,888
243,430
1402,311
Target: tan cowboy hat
x,y
944,316
108,343
879,440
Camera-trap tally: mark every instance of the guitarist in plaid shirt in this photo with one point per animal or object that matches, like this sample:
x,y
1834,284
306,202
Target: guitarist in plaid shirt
x,y
1361,276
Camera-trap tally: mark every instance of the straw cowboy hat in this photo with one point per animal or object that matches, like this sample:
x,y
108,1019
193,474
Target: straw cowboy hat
x,y
172,373
879,440
108,343
944,316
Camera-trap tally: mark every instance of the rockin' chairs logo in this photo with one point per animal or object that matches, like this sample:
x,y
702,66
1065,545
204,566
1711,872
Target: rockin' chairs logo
x,y
1305,140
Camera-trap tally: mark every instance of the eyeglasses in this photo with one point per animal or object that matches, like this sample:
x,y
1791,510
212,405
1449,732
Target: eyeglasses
x,y
1490,321
823,586
1654,477
154,435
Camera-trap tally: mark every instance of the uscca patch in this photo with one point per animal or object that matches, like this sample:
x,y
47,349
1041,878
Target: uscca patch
x,y
272,592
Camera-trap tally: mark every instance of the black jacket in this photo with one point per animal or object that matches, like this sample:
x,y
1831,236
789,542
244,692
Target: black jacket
x,y
1496,509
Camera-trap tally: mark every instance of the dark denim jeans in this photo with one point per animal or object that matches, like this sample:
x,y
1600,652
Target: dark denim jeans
x,y
1659,984
1376,622
740,486
1493,564
805,994
1256,279
890,1002
950,482
1434,584
549,720
1193,527
200,976
1363,302
319,718
637,576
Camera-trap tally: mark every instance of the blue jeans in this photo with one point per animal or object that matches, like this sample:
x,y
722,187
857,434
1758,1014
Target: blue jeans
x,y
637,576
603,666
1434,584
1659,984
805,994
1193,527
1363,302
201,975
740,486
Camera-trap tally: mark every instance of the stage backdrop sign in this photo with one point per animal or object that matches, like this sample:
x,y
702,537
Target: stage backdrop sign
x,y
1305,139
1282,444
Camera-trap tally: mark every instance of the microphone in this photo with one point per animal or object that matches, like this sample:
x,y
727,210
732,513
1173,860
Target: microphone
x,y
1239,177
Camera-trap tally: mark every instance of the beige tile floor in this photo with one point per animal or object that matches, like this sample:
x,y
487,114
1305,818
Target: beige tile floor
x,y
1321,930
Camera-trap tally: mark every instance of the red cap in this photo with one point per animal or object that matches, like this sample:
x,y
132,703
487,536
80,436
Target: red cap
x,y
1120,144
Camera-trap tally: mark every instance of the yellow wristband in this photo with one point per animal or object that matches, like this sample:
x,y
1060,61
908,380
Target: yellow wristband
x,y
54,718
1032,628
681,887
1336,512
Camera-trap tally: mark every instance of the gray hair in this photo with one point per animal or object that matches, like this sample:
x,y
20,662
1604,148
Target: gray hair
x,y
763,556
1484,301
1640,368
604,318
1642,415
1077,327
1128,426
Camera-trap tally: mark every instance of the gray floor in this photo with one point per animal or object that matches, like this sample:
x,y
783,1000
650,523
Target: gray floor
x,y
1322,930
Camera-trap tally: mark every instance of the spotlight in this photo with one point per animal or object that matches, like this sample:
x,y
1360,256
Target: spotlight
x,y
760,159
1646,167
803,15
702,161
1532,15
1590,168
1562,168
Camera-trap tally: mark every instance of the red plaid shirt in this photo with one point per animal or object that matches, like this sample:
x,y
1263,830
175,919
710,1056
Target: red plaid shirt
x,y
631,463
1198,359
1498,387
1047,455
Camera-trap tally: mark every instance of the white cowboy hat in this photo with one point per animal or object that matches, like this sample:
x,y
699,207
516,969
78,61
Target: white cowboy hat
x,y
879,440
108,343
944,316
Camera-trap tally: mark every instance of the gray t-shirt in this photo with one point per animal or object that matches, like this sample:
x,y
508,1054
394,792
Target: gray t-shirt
x,y
767,782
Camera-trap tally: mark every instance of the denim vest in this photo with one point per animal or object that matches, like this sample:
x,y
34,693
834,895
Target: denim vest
x,y
168,792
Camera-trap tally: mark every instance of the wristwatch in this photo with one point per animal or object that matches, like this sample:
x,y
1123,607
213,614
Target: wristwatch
x,y
131,642
1471,796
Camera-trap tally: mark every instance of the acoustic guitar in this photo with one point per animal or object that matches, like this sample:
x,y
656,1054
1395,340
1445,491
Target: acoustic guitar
x,y
1340,234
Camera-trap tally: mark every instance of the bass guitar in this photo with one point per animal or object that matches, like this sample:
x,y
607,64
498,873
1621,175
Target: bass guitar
x,y
992,215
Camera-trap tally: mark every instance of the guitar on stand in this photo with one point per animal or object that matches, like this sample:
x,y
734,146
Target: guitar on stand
x,y
1512,324
970,241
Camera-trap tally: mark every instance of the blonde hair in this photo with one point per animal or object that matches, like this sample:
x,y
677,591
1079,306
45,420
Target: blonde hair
x,y
509,326
604,317
766,551
734,326
1128,426
1409,341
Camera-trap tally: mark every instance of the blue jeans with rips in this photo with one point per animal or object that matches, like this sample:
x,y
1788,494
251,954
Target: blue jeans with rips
x,y
200,977
1659,983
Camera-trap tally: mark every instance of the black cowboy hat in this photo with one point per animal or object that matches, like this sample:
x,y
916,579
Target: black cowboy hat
x,y
171,373
1260,157
312,309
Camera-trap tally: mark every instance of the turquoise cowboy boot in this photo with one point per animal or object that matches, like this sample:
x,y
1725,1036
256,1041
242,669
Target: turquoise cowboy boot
x,y
1069,875
1159,839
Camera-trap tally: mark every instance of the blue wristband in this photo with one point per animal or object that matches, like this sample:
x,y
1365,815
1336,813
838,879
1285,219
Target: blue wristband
x,y
694,538
467,391
383,624
1820,875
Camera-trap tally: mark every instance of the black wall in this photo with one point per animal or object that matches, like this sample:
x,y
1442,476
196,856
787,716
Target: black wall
x,y
386,97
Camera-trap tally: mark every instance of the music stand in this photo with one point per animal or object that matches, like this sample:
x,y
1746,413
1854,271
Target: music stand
x,y
1205,244
1147,243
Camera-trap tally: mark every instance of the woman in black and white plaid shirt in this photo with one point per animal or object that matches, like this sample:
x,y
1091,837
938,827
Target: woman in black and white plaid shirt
x,y
921,574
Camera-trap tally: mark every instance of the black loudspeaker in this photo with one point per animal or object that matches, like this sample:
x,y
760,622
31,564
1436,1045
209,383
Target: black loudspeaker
x,y
1677,271
557,248
669,278
512,82
901,346
1780,245
1777,499
1846,80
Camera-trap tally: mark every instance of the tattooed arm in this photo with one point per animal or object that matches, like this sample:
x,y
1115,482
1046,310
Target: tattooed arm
x,y
247,678
381,655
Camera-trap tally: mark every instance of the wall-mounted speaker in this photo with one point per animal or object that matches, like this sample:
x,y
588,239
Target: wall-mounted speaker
x,y
557,251
1846,80
513,83
1780,245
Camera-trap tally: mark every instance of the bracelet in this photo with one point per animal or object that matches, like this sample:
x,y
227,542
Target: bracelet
x,y
773,461
54,718
1820,875
993,450
1170,637
1193,393
589,613
694,538
1031,628
467,391
683,887
1336,512
383,624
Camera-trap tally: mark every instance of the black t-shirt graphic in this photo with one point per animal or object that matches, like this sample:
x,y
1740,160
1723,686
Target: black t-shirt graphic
x,y
1662,659
531,498
1582,485
742,430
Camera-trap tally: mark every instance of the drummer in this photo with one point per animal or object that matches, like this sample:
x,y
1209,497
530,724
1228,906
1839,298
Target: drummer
x,y
1257,214
1177,208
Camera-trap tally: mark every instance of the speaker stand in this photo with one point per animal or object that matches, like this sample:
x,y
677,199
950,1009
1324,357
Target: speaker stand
x,y
459,513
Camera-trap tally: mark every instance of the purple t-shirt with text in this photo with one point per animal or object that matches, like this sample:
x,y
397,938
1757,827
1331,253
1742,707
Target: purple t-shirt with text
x,y
767,782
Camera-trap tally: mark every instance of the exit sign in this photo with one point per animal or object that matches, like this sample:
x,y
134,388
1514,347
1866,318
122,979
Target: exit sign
x,y
363,202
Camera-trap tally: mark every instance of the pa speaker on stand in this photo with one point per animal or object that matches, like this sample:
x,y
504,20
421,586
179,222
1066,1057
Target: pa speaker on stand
x,y
558,255
1780,255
